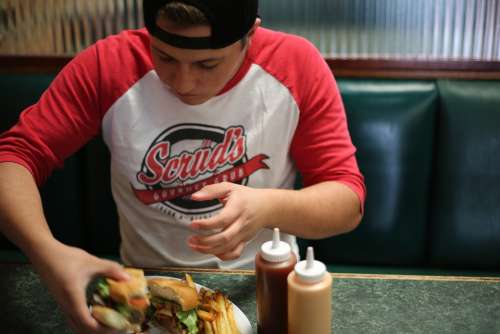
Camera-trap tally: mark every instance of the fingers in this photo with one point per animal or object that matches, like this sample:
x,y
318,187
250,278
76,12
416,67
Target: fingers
x,y
213,191
76,301
113,270
220,221
67,276
218,243
80,318
232,254
225,237
225,252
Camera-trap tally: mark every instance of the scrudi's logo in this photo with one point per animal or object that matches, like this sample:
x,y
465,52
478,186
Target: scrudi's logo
x,y
187,157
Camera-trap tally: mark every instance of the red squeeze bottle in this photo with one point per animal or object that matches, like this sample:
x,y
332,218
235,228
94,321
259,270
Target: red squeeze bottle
x,y
272,265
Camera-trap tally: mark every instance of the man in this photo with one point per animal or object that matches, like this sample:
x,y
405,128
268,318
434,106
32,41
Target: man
x,y
207,117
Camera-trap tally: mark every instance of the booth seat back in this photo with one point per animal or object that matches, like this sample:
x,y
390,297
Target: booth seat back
x,y
392,126
465,211
429,151
62,195
76,199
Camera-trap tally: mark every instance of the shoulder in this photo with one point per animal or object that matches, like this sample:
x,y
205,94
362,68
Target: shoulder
x,y
111,66
278,51
124,54
292,60
129,48
99,75
135,39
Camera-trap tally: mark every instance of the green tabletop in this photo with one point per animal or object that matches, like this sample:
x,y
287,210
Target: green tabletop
x,y
361,303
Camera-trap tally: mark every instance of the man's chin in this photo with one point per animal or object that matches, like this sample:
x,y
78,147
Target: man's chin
x,y
193,99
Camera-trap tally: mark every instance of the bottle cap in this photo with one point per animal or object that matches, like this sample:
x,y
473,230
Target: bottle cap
x,y
310,270
275,250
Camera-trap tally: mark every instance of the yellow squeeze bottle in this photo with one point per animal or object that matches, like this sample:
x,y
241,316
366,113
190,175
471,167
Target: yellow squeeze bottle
x,y
309,297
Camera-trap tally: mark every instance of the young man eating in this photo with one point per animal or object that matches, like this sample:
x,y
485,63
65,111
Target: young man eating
x,y
208,118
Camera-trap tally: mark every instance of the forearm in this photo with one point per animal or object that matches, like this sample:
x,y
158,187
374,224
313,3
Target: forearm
x,y
315,212
21,212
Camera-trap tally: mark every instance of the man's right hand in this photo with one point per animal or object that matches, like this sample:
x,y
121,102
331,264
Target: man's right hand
x,y
67,271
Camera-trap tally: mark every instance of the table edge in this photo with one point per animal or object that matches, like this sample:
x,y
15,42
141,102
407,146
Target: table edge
x,y
249,272
334,275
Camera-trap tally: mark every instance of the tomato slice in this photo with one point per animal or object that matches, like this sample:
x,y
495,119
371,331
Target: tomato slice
x,y
140,303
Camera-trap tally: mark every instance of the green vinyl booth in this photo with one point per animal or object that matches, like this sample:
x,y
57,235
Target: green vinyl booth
x,y
429,151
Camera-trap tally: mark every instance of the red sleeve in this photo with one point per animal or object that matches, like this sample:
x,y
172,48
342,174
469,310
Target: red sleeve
x,y
70,111
322,148
66,116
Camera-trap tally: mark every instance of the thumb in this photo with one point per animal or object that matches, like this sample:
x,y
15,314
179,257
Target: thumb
x,y
113,270
213,191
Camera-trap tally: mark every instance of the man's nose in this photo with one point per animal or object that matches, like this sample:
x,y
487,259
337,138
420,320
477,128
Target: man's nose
x,y
183,80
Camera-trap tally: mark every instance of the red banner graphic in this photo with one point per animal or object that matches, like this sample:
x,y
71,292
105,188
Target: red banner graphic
x,y
234,174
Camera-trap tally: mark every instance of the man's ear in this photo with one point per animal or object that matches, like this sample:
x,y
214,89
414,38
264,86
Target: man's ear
x,y
254,27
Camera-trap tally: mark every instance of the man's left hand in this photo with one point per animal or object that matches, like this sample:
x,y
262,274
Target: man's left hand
x,y
244,214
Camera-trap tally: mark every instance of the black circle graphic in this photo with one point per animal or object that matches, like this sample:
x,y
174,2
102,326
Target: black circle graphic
x,y
178,134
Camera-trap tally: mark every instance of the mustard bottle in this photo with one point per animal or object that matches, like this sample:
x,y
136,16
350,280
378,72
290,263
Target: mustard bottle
x,y
309,297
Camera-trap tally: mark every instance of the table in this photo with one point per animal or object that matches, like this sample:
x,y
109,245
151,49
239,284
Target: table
x,y
361,303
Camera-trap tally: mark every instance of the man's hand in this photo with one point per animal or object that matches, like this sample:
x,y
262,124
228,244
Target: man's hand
x,y
318,211
66,273
244,214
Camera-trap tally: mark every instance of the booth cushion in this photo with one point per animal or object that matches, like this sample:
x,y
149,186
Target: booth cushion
x,y
101,222
392,126
465,214
62,193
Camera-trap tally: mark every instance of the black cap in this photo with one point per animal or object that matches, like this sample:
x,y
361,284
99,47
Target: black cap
x,y
230,21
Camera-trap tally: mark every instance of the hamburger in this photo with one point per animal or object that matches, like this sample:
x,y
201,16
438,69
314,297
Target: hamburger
x,y
122,305
174,305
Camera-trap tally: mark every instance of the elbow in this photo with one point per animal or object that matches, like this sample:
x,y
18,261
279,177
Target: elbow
x,y
353,216
334,228
353,223
347,225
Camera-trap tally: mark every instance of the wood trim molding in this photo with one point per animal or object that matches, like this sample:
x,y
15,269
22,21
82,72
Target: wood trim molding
x,y
342,68
32,64
437,278
246,272
415,69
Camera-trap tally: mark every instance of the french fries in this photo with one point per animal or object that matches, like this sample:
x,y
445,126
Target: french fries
x,y
189,280
216,311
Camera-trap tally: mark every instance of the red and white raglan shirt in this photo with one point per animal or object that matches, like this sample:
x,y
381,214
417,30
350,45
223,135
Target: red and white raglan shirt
x,y
281,114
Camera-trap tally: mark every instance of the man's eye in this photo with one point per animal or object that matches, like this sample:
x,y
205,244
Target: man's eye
x,y
207,66
166,59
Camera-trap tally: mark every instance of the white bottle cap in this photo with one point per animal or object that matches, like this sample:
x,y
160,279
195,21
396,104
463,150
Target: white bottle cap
x,y
275,250
310,270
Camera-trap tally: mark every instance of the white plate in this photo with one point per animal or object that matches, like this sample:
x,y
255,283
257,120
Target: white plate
x,y
241,319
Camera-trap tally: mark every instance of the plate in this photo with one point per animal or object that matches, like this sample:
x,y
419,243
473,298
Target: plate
x,y
241,319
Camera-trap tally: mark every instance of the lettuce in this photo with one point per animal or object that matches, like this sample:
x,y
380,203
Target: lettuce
x,y
124,310
102,288
189,319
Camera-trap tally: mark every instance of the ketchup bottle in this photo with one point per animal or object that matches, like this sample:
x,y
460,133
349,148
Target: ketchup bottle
x,y
309,297
272,265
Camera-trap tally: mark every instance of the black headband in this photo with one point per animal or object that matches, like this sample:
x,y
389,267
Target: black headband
x,y
230,20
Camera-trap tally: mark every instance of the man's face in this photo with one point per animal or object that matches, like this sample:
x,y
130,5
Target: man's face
x,y
194,76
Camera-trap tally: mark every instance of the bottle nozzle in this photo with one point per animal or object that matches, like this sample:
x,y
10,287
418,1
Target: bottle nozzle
x,y
276,238
275,250
310,270
310,258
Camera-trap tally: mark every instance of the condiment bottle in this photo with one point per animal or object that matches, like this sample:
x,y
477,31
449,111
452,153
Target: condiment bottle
x,y
309,297
272,265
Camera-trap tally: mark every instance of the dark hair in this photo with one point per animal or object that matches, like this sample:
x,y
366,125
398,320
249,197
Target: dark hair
x,y
185,15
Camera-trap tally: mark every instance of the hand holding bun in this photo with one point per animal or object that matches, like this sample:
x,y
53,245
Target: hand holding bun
x,y
122,305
